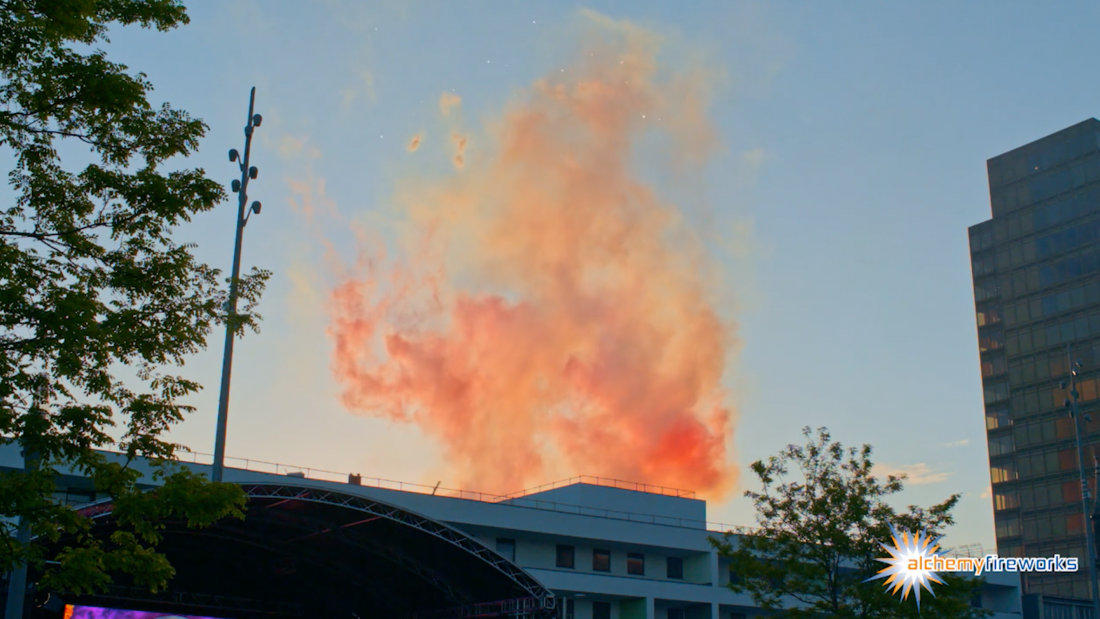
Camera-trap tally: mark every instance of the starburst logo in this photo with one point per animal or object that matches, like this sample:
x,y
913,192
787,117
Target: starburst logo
x,y
907,568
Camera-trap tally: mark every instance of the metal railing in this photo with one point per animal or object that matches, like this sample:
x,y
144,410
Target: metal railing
x,y
608,482
973,551
520,499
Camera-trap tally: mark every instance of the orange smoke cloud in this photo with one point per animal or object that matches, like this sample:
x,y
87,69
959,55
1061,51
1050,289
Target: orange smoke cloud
x,y
551,315
460,149
447,101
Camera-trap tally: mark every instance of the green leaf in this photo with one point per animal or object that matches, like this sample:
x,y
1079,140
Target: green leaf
x,y
99,306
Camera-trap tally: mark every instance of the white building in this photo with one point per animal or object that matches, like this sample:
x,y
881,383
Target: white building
x,y
608,550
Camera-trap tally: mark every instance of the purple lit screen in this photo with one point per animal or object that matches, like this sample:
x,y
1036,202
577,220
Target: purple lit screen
x,y
91,612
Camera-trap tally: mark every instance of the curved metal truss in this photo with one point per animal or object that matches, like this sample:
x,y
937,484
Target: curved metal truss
x,y
539,596
436,529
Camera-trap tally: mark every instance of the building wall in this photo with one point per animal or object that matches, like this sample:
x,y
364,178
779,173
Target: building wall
x,y
701,594
1036,271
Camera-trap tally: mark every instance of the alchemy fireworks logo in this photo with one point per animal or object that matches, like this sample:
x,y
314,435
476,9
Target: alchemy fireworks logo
x,y
910,566
914,564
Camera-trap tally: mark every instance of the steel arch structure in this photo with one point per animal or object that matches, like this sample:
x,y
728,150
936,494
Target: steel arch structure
x,y
534,600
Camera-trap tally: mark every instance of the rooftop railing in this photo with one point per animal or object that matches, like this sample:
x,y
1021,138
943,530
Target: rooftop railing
x,y
521,498
608,482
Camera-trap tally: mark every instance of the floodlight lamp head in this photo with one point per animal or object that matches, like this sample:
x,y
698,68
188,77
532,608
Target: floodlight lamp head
x,y
1079,364
256,206
233,154
1065,403
256,120
253,172
1062,384
235,185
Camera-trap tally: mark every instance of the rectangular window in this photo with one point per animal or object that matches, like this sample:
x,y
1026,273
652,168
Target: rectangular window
x,y
1008,527
1003,472
996,392
1071,492
989,316
601,610
1005,500
1001,445
601,560
991,340
1029,341
986,289
675,613
565,556
507,548
1074,524
635,564
997,418
1064,427
1087,390
675,567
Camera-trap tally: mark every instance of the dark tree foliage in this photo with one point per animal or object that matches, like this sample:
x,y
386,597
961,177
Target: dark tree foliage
x,y
822,517
98,306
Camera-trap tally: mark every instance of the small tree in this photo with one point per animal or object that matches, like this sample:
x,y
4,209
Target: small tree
x,y
95,297
820,534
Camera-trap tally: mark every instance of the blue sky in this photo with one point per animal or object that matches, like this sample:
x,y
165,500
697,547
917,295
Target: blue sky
x,y
854,139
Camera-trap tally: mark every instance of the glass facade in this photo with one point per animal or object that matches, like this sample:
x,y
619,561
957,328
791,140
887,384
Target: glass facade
x,y
1036,270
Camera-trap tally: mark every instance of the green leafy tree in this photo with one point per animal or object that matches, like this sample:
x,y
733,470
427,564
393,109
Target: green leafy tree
x,y
98,306
822,517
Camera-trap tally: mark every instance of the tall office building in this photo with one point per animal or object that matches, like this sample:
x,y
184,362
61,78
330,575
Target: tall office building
x,y
1036,268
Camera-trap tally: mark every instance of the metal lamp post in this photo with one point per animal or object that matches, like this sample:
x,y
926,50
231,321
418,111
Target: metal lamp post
x,y
1090,549
241,189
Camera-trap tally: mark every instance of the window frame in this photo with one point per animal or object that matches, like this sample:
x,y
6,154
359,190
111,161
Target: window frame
x,y
669,572
572,554
596,554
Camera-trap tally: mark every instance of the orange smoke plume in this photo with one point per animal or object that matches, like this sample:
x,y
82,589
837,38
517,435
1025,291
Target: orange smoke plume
x,y
447,101
460,149
414,143
551,315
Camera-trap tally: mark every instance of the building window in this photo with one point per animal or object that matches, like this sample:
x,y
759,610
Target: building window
x,y
601,560
570,609
1008,527
601,610
735,578
997,418
675,613
1005,500
990,340
565,556
996,392
1074,524
1001,445
1071,491
507,548
675,567
635,564
1003,472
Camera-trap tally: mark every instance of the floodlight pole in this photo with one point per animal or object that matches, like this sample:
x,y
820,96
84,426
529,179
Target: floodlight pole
x,y
241,188
1090,548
